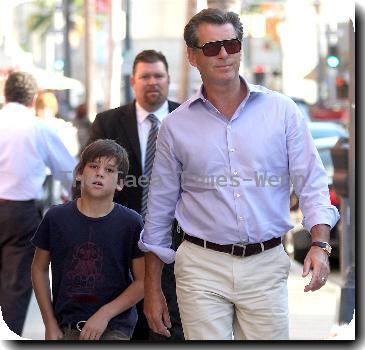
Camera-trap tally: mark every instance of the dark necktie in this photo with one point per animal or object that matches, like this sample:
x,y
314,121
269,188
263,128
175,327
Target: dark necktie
x,y
148,163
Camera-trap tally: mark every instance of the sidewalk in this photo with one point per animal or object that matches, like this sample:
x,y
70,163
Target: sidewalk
x,y
312,315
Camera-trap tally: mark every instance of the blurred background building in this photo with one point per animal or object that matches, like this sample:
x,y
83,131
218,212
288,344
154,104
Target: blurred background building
x,y
300,47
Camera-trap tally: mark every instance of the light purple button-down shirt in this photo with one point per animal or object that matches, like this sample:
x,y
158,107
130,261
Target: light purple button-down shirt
x,y
228,181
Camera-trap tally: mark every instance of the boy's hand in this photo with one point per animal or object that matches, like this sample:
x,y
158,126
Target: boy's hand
x,y
95,326
53,332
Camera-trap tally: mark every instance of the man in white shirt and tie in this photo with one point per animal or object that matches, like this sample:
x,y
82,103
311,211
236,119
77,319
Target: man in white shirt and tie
x,y
28,146
134,126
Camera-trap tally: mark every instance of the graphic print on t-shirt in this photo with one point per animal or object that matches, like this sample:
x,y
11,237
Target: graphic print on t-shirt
x,y
85,271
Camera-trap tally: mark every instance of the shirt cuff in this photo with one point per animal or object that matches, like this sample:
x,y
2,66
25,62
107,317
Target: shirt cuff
x,y
324,215
167,255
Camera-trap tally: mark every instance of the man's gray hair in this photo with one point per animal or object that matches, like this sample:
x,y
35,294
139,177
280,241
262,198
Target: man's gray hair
x,y
212,16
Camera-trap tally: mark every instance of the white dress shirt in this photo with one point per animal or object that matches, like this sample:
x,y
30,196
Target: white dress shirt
x,y
227,180
27,147
144,125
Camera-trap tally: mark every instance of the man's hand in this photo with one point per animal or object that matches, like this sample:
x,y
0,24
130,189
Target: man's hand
x,y
95,326
156,311
53,332
317,259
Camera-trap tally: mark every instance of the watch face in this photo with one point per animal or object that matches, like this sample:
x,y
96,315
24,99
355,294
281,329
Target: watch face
x,y
328,248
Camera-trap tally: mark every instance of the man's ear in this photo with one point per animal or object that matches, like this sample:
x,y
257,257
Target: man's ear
x,y
191,56
132,80
32,104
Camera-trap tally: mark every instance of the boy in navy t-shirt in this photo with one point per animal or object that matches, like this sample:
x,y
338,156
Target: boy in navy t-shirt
x,y
91,243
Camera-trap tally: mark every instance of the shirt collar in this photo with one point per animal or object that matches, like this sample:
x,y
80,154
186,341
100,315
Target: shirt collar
x,y
251,88
160,113
18,108
16,105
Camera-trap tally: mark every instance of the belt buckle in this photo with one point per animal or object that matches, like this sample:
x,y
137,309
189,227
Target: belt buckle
x,y
239,245
79,328
262,247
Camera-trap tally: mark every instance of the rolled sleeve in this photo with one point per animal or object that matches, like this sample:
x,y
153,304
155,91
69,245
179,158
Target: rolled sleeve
x,y
167,255
308,174
327,215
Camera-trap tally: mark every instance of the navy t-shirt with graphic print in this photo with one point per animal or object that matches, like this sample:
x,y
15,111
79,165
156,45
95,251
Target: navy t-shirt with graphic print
x,y
90,261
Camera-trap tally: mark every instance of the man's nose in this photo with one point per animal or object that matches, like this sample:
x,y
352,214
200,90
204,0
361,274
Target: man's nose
x,y
222,52
152,80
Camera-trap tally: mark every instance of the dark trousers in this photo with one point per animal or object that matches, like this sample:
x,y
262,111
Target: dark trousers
x,y
18,223
168,285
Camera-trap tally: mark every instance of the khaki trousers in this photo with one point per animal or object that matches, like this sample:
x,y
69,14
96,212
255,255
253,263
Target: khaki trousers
x,y
225,297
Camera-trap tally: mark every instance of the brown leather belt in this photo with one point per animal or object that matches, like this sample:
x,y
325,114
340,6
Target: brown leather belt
x,y
235,249
76,325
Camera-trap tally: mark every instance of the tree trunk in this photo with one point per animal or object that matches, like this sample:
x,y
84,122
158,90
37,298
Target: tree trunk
x,y
115,53
183,92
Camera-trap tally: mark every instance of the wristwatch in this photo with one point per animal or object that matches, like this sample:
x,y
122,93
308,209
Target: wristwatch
x,y
324,245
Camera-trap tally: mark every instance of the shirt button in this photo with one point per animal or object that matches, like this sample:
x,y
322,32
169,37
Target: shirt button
x,y
229,127
241,218
232,150
235,172
238,195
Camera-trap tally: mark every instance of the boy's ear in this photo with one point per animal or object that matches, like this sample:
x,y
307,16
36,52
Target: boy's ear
x,y
78,176
120,185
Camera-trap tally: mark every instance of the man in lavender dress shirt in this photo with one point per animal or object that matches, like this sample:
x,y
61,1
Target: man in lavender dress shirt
x,y
222,167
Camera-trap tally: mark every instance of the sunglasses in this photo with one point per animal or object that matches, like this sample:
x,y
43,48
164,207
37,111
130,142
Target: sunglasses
x,y
213,48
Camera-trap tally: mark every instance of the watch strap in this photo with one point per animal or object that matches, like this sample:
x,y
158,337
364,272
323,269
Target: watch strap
x,y
324,245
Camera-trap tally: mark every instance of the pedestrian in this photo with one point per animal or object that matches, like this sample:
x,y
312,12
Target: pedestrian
x,y
46,108
82,124
91,243
134,126
231,269
28,147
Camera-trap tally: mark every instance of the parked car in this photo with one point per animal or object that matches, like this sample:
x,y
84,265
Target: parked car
x,y
303,107
326,129
297,241
330,114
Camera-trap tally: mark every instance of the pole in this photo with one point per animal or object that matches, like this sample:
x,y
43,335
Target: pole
x,y
66,43
114,57
183,92
319,71
127,51
89,8
347,301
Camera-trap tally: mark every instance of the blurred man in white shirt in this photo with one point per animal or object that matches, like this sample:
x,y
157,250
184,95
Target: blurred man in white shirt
x,y
28,147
